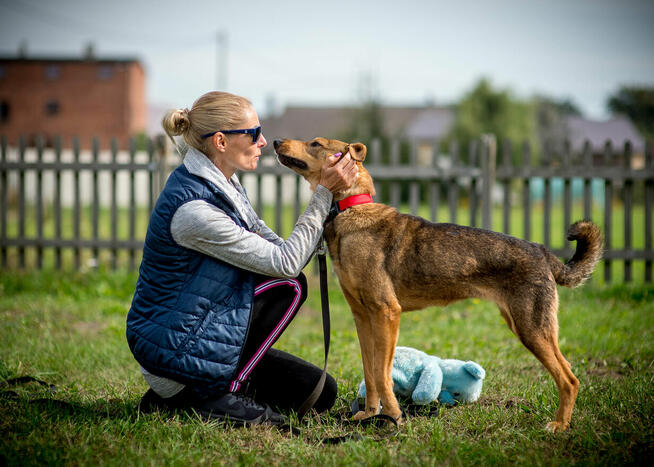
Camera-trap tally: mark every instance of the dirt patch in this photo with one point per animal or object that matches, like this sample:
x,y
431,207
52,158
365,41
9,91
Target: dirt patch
x,y
505,402
89,328
607,368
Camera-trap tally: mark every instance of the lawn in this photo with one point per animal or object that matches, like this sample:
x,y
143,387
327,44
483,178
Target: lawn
x,y
68,329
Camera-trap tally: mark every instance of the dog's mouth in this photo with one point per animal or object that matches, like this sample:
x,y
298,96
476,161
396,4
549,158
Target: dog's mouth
x,y
292,162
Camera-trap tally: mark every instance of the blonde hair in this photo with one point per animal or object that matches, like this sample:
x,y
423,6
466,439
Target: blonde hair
x,y
211,112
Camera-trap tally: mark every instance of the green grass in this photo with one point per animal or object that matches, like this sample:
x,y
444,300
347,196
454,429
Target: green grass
x,y
68,328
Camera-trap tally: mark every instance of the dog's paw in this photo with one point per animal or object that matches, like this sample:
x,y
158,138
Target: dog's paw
x,y
556,427
360,415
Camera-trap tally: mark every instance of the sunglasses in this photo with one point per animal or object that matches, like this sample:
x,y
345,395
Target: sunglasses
x,y
254,132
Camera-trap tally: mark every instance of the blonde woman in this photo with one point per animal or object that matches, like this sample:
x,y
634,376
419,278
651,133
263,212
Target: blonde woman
x,y
216,286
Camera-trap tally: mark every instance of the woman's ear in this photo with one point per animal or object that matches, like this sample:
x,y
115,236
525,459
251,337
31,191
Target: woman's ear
x,y
219,141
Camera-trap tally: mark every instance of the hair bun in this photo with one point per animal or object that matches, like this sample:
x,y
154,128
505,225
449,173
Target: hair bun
x,y
176,122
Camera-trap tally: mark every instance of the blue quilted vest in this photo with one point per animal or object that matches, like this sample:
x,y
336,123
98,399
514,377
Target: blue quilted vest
x,y
190,313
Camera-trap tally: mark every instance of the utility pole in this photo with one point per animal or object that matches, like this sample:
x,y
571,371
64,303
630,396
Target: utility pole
x,y
221,60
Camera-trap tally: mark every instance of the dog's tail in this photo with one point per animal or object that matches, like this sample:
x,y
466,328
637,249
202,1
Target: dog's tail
x,y
589,252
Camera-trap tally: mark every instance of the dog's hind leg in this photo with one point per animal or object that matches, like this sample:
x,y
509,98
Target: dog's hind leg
x,y
537,328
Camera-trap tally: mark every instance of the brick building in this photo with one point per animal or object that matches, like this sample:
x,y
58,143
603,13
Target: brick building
x,y
72,97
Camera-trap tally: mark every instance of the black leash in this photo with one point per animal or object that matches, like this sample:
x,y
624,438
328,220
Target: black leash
x,y
326,329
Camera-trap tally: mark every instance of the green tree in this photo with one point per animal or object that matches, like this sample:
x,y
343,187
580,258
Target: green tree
x,y
637,103
488,110
550,117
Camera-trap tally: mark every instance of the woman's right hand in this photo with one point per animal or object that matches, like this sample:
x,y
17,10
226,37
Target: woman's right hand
x,y
338,172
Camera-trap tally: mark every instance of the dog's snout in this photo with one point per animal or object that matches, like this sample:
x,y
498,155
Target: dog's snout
x,y
277,143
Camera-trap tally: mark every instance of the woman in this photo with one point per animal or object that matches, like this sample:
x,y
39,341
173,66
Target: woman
x,y
217,287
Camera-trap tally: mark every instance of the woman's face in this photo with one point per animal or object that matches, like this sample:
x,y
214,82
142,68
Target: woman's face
x,y
240,153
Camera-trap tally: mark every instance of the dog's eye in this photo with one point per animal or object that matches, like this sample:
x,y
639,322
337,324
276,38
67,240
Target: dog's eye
x,y
315,144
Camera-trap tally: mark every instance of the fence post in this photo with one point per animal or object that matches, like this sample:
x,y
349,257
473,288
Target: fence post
x,y
4,191
163,148
488,163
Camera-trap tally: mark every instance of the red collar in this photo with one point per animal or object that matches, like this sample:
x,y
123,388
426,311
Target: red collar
x,y
345,203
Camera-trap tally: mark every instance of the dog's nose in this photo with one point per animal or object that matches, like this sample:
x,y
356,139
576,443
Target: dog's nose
x,y
276,143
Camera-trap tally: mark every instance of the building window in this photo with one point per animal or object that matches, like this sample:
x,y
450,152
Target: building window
x,y
52,107
4,111
52,72
105,72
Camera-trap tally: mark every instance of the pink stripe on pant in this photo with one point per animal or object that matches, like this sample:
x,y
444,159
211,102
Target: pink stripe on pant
x,y
267,343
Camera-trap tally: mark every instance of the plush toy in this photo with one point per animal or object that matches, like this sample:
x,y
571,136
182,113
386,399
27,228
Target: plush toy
x,y
426,378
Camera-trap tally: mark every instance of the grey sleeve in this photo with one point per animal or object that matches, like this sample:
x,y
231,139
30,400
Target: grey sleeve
x,y
203,227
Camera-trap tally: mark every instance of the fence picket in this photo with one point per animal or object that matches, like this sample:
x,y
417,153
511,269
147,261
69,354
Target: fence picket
x,y
39,202
567,193
628,201
132,203
21,203
649,207
608,211
506,195
526,195
57,200
114,203
96,197
4,192
452,183
23,195
77,214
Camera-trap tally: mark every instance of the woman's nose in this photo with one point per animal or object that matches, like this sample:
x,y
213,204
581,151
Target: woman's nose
x,y
262,141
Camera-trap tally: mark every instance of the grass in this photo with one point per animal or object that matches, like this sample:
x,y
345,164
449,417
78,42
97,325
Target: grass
x,y
68,329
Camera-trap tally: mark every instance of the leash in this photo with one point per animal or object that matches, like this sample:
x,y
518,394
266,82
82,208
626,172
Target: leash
x,y
326,329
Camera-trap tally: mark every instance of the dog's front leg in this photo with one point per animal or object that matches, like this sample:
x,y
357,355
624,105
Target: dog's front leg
x,y
366,342
385,323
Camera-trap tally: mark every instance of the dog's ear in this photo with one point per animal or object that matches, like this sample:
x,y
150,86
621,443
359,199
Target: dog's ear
x,y
358,151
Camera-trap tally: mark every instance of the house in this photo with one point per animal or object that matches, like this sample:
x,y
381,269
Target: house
x,y
421,124
616,130
72,97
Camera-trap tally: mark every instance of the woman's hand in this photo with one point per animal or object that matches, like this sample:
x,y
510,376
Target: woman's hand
x,y
338,172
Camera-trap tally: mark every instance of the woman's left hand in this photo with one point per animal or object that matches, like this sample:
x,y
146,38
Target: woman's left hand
x,y
339,172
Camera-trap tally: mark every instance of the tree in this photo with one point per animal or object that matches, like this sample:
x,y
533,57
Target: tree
x,y
637,103
487,110
550,116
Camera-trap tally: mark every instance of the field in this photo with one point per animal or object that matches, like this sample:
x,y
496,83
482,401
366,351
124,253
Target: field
x,y
69,330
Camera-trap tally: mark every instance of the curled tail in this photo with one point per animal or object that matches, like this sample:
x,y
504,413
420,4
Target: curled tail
x,y
589,252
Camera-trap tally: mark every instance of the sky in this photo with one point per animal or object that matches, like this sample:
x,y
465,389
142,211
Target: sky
x,y
279,53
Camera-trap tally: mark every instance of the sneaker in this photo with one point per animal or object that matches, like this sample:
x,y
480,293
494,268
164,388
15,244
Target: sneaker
x,y
239,409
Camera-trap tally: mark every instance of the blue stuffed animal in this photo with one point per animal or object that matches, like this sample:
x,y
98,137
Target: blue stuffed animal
x,y
426,378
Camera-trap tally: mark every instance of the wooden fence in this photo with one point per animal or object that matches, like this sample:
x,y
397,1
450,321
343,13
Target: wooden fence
x,y
488,190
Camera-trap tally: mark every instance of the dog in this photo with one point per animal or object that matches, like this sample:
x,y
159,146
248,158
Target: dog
x,y
388,263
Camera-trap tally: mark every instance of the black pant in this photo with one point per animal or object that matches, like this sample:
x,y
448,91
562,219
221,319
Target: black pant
x,y
272,376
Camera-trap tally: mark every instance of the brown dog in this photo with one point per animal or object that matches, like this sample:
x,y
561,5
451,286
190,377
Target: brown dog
x,y
389,262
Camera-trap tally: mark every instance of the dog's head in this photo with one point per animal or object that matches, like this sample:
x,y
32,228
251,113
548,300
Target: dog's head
x,y
307,158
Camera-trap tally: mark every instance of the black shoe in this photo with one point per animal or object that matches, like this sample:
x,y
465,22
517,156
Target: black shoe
x,y
239,409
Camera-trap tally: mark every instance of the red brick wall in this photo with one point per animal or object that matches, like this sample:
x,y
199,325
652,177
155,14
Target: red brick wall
x,y
95,98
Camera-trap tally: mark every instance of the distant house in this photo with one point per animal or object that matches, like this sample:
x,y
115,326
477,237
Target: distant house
x,y
425,125
617,130
422,124
72,97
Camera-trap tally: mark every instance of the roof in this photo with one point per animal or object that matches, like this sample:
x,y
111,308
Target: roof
x,y
618,130
306,123
66,59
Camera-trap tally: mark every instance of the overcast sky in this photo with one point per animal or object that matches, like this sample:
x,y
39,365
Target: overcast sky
x,y
304,52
